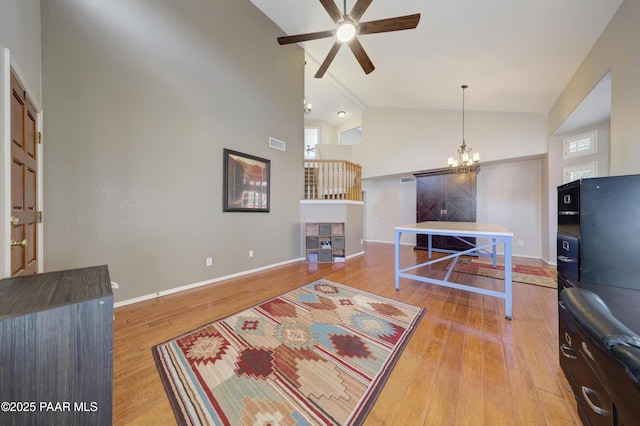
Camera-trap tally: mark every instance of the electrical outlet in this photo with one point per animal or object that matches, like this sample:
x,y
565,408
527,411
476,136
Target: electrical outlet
x,y
250,253
520,243
209,261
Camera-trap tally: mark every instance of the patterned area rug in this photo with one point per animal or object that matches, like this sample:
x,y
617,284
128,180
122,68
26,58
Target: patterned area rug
x,y
319,354
545,277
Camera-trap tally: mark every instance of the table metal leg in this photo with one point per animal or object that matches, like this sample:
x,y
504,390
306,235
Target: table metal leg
x,y
494,256
397,271
507,277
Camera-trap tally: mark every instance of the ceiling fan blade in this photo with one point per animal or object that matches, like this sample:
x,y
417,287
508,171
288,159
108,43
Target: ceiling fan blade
x,y
305,37
390,24
327,61
332,9
359,8
361,56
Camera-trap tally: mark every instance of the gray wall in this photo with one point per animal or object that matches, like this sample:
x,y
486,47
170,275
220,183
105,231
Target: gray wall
x,y
140,100
20,33
20,50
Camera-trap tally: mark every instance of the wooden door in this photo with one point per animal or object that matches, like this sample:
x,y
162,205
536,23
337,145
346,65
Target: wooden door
x,y
445,196
24,181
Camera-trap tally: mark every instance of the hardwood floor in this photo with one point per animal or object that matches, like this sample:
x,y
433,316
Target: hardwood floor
x,y
465,364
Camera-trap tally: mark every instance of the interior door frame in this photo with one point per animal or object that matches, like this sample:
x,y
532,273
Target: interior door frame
x,y
7,63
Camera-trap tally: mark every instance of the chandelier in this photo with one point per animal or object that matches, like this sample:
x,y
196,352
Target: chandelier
x,y
466,163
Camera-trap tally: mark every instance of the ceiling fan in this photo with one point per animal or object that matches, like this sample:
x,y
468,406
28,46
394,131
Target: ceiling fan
x,y
349,28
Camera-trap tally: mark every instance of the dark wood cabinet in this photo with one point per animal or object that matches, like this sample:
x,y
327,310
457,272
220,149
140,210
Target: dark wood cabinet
x,y
56,348
445,196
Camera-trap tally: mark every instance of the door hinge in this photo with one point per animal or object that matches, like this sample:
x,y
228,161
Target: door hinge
x,y
38,217
39,137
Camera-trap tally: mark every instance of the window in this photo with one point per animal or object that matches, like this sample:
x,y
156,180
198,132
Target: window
x,y
580,171
578,145
311,136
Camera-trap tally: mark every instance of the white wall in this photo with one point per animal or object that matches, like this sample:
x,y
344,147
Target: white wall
x,y
615,50
556,164
400,140
327,134
349,212
388,203
508,193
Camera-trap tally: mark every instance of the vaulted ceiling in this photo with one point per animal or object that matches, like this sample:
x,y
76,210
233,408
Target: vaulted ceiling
x,y
514,55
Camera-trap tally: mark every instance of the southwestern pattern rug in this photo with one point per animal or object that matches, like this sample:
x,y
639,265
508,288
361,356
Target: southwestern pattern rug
x,y
319,354
545,277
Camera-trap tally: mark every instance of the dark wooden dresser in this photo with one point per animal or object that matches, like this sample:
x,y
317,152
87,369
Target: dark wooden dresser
x,y
56,348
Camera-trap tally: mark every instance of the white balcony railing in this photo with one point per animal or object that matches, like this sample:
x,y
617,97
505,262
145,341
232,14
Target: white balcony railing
x,y
332,180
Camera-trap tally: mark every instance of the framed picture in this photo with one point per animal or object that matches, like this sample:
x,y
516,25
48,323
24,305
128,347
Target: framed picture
x,y
246,182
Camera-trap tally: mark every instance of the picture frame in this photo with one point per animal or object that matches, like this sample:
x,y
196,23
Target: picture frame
x,y
246,182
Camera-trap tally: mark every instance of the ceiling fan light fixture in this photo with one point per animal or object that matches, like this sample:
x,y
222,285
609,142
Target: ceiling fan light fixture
x,y
349,29
346,31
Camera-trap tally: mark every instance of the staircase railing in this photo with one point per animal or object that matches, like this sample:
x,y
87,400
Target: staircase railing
x,y
332,180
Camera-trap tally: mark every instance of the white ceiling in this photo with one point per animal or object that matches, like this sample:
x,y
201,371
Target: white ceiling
x,y
515,55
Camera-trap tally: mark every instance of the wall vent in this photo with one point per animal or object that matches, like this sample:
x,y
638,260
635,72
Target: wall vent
x,y
407,179
277,144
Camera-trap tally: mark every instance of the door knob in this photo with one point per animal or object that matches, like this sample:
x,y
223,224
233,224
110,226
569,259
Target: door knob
x,y
22,243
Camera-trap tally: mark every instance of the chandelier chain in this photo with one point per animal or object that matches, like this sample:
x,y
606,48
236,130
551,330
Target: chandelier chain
x,y
466,162
464,86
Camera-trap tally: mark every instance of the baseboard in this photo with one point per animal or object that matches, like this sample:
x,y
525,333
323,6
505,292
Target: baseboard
x,y
201,283
386,242
360,253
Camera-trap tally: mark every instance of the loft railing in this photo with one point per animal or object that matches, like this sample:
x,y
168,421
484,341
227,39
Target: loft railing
x,y
332,180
